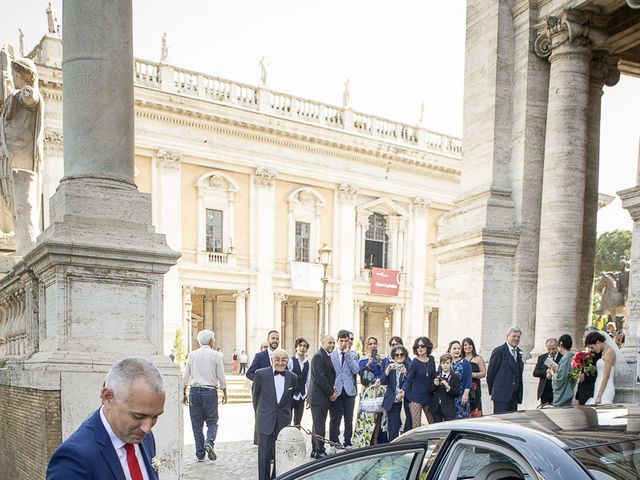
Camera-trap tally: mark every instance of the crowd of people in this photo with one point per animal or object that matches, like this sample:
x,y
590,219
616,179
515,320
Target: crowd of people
x,y
395,392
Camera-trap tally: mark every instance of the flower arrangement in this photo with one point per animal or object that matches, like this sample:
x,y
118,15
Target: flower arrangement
x,y
582,362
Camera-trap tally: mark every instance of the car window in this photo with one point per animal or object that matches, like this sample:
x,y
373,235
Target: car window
x,y
389,466
480,461
614,460
430,456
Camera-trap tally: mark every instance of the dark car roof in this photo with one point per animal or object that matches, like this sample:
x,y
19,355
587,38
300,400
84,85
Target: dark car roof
x,y
570,428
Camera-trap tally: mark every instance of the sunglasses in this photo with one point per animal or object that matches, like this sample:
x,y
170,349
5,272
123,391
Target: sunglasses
x,y
398,355
421,346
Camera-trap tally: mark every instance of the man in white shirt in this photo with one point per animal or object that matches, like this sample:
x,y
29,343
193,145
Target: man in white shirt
x,y
116,442
204,368
299,365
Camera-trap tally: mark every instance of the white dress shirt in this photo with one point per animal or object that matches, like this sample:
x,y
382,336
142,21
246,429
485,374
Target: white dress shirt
x,y
118,446
279,381
300,396
205,368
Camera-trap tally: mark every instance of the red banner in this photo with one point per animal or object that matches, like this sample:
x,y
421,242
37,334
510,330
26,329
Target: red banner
x,y
385,282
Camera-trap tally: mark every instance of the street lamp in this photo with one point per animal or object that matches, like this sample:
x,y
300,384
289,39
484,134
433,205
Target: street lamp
x,y
325,257
386,325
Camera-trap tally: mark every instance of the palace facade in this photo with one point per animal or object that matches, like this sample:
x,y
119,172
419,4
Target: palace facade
x,y
248,183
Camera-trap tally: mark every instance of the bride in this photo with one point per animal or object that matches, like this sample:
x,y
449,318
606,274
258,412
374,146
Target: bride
x,y
611,359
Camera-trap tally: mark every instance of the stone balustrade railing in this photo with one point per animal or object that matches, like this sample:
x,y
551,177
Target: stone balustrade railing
x,y
178,80
18,317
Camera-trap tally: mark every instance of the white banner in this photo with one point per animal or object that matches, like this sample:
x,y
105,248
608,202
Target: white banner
x,y
306,276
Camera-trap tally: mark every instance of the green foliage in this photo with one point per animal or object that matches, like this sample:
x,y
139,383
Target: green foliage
x,y
610,246
3,363
595,306
178,347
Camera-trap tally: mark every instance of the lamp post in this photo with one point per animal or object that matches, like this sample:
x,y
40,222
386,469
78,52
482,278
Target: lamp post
x,y
386,325
325,257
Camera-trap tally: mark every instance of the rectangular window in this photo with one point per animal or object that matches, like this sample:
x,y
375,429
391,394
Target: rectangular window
x,y
303,230
214,230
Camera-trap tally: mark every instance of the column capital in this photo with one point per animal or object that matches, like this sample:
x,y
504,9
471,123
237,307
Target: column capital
x,y
604,69
280,297
358,303
420,204
397,307
169,161
241,294
569,28
347,192
362,218
264,177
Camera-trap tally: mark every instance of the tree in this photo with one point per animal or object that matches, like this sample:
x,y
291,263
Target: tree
x,y
610,246
178,347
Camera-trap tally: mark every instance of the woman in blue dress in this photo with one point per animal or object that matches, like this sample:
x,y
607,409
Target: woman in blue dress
x,y
417,385
462,367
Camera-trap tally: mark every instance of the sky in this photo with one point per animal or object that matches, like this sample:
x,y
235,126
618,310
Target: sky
x,y
396,55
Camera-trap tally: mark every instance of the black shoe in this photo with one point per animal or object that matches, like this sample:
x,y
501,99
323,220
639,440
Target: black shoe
x,y
320,454
210,453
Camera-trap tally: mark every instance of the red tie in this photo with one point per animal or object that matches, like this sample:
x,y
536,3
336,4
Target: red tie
x,y
132,462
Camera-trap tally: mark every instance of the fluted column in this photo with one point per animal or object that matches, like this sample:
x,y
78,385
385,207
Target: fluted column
x,y
357,310
568,42
396,323
344,256
98,91
603,72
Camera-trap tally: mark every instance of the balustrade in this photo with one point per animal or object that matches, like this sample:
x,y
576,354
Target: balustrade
x,y
18,337
289,106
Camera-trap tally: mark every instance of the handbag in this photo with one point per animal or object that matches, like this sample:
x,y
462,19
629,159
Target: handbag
x,y
372,398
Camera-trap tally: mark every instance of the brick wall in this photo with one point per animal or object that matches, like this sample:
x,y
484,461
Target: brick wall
x,y
30,431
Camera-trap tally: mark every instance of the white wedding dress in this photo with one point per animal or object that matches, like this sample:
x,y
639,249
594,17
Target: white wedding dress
x,y
610,390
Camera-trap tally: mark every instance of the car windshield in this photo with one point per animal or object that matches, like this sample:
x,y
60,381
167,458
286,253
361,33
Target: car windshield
x,y
612,460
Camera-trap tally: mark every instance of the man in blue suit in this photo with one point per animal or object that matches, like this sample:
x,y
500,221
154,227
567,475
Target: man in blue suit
x,y
115,442
263,359
504,375
345,363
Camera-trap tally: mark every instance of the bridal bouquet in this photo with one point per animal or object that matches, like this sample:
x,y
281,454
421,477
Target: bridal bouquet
x,y
582,362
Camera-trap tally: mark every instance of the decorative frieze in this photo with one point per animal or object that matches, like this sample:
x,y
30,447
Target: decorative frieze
x,y
264,177
53,137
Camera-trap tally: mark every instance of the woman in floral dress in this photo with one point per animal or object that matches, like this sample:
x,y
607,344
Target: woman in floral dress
x,y
462,367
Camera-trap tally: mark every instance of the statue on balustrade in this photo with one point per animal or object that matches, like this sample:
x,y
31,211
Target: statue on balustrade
x,y
164,54
52,20
21,150
263,72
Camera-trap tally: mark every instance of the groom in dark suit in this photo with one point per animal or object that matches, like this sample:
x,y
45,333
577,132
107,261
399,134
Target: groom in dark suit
x,y
272,391
116,442
541,370
504,375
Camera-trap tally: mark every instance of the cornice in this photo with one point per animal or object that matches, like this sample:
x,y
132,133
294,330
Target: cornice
x,y
293,140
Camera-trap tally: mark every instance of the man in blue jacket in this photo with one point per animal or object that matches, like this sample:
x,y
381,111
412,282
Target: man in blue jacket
x,y
115,442
263,359
504,375
345,363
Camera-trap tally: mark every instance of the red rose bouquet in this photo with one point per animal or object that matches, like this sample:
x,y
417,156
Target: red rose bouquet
x,y
582,362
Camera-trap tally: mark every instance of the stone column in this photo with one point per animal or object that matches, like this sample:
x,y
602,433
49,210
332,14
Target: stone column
x,y
277,310
396,323
357,310
261,299
100,265
241,319
166,214
416,268
603,72
187,308
344,255
362,224
561,226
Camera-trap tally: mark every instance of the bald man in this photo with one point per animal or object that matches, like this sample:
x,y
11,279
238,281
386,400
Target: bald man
x,y
322,392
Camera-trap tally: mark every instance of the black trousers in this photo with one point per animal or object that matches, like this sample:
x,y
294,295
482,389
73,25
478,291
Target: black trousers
x,y
439,417
319,417
341,407
297,409
506,407
266,454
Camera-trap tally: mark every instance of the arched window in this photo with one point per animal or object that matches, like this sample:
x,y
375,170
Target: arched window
x,y
376,242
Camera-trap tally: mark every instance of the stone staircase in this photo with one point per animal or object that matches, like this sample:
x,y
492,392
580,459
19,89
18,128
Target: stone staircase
x,y
238,389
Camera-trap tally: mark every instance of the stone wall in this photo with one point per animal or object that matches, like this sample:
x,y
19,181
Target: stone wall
x,y
30,431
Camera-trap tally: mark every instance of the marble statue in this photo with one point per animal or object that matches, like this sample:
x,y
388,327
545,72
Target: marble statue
x,y
421,118
52,20
346,98
263,72
21,36
21,149
165,49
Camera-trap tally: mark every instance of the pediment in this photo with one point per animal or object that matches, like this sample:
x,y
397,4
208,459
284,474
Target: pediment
x,y
217,181
384,206
306,196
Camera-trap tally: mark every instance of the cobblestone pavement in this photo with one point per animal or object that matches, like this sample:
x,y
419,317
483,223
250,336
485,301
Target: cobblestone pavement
x,y
237,456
